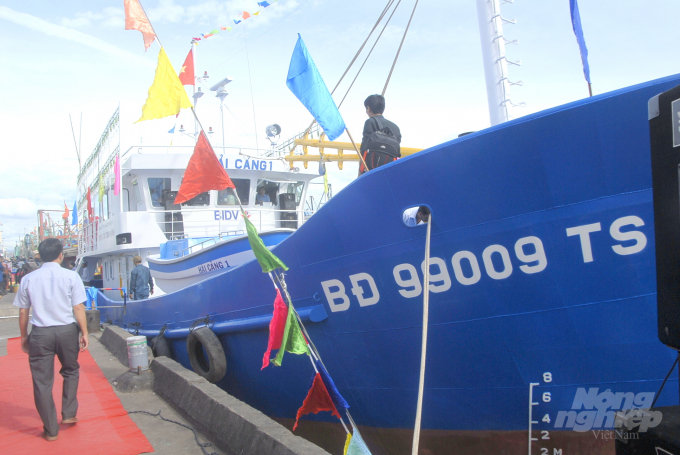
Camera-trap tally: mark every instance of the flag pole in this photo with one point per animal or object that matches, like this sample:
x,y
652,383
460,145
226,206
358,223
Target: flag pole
x,y
154,30
357,150
590,89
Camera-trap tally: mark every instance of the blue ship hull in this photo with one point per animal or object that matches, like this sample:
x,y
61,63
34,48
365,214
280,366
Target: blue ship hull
x,y
574,181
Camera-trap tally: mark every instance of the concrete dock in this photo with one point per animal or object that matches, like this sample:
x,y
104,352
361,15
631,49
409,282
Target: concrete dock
x,y
166,438
180,395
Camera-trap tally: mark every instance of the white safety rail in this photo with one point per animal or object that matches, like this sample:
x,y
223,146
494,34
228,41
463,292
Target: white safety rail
x,y
204,222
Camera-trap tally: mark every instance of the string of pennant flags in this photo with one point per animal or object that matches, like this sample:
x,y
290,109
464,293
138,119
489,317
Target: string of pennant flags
x,y
241,17
287,333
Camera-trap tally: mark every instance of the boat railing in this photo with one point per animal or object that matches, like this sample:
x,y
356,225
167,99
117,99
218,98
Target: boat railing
x,y
190,249
205,222
188,150
218,222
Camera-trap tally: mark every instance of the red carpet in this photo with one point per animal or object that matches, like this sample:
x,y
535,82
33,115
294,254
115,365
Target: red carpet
x,y
104,428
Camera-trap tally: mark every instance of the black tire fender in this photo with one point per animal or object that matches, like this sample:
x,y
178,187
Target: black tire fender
x,y
161,347
206,354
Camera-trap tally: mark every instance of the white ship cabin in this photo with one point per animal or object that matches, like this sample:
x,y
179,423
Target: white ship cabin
x,y
144,220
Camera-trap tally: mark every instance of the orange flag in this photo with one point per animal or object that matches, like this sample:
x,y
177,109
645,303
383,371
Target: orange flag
x,y
204,172
65,215
246,15
135,19
186,74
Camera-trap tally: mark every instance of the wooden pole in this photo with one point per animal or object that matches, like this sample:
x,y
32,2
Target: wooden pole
x,y
357,150
590,89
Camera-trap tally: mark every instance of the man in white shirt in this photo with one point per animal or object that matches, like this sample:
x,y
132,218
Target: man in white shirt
x,y
57,296
416,215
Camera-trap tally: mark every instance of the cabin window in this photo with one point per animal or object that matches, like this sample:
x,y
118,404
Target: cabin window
x,y
156,188
294,188
136,193
271,190
198,200
226,197
126,200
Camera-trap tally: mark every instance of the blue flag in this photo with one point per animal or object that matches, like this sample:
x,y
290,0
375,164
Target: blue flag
x,y
357,446
172,130
306,83
578,31
338,400
75,214
263,4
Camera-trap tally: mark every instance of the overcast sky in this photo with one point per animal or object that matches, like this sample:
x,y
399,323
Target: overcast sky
x,y
74,57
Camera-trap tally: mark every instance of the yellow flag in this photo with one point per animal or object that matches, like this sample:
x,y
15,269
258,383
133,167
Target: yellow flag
x,y
101,189
349,438
166,95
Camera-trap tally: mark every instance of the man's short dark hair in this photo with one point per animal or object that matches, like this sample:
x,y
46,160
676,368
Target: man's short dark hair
x,y
50,249
425,210
376,103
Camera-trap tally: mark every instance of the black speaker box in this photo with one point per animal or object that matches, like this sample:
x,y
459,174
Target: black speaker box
x,y
287,201
124,239
169,200
664,128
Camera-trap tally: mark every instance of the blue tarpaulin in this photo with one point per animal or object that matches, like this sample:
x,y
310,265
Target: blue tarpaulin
x,y
305,81
578,31
91,297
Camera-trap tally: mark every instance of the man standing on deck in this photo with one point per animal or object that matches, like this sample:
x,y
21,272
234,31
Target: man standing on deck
x,y
141,282
375,106
57,297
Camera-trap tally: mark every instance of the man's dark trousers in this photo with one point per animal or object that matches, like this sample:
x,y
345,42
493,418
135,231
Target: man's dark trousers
x,y
43,344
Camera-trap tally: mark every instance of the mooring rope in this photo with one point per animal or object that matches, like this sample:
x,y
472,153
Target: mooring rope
x,y
423,352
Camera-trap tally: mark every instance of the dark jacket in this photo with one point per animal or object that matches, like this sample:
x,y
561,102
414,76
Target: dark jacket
x,y
371,126
141,282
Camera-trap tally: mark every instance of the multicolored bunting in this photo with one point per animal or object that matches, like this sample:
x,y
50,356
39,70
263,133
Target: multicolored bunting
x,y
347,441
338,400
243,16
277,327
268,261
317,400
357,446
203,172
293,341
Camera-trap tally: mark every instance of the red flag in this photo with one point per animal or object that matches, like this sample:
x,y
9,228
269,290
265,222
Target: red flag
x,y
135,19
276,327
186,74
204,172
65,215
90,210
317,400
246,15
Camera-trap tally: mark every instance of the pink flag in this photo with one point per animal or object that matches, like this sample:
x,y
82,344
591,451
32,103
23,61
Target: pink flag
x,y
116,172
276,327
135,19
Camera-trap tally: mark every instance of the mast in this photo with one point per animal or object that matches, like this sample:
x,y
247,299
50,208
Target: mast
x,y
495,62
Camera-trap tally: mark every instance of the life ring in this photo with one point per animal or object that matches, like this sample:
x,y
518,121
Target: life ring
x,y
206,354
161,347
